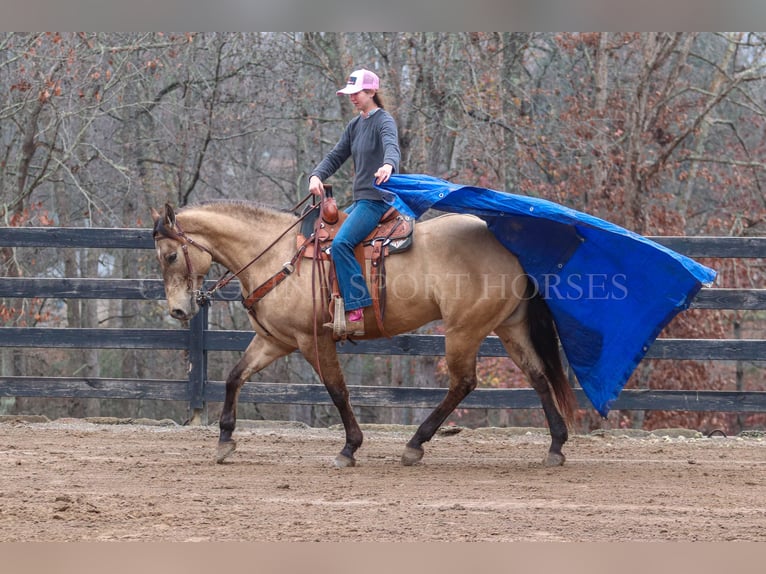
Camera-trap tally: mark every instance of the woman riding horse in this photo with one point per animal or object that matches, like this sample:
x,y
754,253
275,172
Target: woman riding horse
x,y
372,140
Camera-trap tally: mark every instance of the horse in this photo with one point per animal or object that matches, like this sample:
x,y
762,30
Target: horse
x,y
456,271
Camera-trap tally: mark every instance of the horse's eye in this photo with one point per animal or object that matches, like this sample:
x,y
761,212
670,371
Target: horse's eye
x,y
171,258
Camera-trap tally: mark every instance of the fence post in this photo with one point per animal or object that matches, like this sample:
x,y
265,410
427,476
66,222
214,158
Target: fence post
x,y
197,368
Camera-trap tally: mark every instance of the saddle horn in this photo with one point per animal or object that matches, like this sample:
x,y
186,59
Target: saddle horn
x,y
328,207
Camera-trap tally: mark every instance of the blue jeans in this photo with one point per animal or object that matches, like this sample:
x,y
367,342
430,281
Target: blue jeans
x,y
363,216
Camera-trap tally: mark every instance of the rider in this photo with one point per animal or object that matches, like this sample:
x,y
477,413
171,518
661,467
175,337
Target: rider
x,y
371,138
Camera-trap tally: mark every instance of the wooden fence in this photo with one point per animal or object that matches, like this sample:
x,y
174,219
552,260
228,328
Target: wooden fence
x,y
198,340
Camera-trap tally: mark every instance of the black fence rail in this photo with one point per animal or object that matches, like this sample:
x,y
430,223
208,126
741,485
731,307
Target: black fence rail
x,y
198,340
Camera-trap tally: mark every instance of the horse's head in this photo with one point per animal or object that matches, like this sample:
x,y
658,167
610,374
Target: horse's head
x,y
183,262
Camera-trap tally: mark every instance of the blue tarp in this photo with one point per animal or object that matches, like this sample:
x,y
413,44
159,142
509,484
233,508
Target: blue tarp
x,y
611,291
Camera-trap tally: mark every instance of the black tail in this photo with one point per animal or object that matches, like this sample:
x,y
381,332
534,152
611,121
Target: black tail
x,y
545,340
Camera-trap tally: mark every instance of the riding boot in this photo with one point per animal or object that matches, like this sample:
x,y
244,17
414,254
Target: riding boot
x,y
341,325
355,323
344,328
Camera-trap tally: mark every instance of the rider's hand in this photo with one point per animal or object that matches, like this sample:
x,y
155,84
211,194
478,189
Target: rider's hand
x,y
315,186
383,173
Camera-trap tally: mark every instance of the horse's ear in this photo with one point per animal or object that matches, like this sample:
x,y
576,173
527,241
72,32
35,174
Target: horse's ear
x,y
170,215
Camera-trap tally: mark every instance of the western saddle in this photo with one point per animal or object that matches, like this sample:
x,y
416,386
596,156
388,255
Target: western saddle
x,y
393,234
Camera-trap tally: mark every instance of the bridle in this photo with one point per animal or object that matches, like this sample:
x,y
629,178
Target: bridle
x,y
203,297
177,234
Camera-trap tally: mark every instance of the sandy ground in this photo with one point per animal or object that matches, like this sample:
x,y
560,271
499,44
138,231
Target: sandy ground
x,y
72,480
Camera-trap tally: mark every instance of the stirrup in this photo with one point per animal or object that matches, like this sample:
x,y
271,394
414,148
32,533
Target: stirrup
x,y
341,328
339,317
338,323
350,329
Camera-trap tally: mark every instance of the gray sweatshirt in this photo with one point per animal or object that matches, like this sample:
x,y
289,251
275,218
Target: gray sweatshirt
x,y
371,141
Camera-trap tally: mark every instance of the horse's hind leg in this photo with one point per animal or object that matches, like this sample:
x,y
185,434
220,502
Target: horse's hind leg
x,y
331,375
261,352
461,363
518,344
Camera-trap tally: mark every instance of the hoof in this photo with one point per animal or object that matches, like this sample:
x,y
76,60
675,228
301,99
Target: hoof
x,y
554,459
225,449
412,456
342,461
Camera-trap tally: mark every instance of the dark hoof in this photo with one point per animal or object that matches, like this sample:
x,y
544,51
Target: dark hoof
x,y
225,449
554,459
342,461
412,455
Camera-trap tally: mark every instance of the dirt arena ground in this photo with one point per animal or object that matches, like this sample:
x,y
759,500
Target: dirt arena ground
x,y
72,480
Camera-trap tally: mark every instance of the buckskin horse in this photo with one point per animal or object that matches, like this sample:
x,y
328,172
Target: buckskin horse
x,y
455,271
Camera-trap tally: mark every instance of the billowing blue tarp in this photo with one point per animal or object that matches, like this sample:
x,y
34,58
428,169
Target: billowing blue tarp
x,y
611,291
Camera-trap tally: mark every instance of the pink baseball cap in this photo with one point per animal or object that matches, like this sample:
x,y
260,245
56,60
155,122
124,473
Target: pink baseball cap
x,y
360,80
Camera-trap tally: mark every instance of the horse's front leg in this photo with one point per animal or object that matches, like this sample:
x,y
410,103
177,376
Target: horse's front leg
x,y
261,352
323,357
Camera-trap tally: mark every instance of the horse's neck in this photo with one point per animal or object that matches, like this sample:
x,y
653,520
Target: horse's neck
x,y
235,240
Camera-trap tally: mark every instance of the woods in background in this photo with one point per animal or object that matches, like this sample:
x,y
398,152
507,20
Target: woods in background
x,y
662,133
